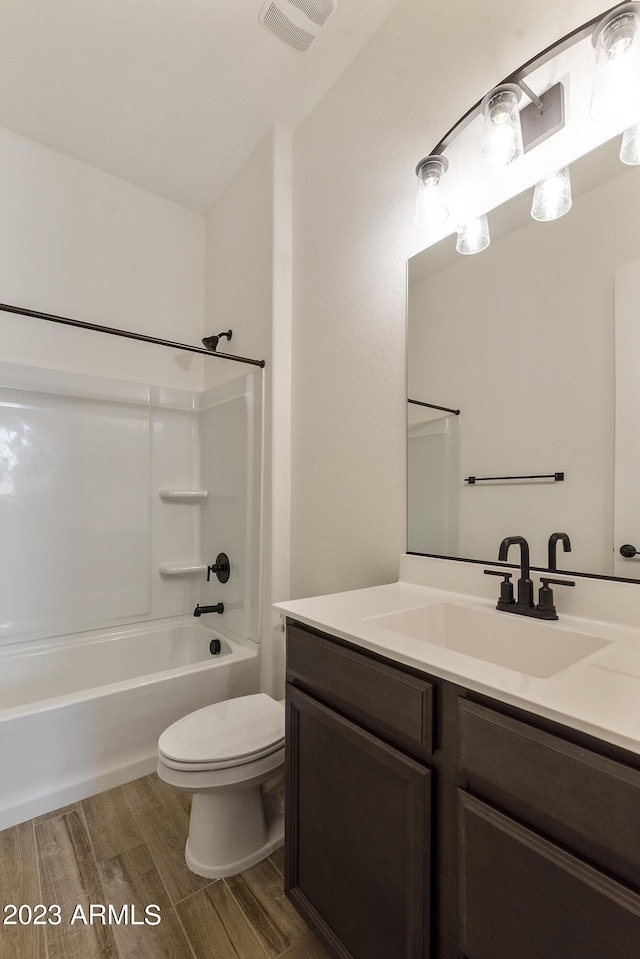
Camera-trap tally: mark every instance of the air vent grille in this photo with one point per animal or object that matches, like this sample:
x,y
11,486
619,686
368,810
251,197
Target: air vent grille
x,y
283,28
318,11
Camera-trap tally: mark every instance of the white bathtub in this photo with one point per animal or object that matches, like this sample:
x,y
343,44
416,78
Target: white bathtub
x,y
83,713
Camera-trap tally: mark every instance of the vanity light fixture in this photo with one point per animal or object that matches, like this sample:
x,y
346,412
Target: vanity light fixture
x,y
474,237
616,79
552,196
430,209
509,132
630,148
502,144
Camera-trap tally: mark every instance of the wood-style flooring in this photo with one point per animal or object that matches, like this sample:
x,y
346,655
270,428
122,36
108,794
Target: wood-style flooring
x,y
125,847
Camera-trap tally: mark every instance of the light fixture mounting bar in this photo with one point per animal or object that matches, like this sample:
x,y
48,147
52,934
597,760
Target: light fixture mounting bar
x,y
543,117
532,96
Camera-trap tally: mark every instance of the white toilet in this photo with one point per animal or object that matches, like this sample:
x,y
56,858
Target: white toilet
x,y
231,757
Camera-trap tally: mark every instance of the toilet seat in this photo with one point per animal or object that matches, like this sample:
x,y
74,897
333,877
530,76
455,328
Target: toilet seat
x,y
223,735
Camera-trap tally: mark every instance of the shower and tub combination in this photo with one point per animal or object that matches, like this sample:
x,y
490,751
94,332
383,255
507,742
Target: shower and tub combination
x,y
115,499
83,713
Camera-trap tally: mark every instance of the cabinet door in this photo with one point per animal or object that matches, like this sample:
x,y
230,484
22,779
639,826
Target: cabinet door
x,y
522,896
357,835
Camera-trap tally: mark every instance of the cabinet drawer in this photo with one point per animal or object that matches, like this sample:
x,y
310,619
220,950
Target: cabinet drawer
x,y
521,895
576,796
387,700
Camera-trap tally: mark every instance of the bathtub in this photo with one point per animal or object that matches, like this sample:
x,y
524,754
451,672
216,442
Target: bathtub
x,y
83,713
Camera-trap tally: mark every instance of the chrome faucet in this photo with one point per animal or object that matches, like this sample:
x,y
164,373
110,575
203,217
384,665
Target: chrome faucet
x,y
524,604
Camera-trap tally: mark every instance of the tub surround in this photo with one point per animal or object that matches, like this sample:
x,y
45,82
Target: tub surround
x,y
598,695
114,499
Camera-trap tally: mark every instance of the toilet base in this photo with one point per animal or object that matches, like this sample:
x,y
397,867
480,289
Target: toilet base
x,y
274,839
231,830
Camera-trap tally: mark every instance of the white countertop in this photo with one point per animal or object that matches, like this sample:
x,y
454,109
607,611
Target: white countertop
x,y
599,695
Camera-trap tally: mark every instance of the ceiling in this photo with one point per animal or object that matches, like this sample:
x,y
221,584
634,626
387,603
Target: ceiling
x,y
171,95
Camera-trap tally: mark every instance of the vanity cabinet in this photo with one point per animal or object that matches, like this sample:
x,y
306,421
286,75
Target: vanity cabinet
x,y
425,821
358,805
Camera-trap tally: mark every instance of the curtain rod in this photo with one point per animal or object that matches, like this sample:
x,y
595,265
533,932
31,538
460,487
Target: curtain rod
x,y
432,406
67,321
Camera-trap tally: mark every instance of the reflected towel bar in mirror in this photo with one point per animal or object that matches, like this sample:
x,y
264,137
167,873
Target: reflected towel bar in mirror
x,y
556,477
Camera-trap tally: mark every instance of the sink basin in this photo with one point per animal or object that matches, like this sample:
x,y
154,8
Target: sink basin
x,y
528,646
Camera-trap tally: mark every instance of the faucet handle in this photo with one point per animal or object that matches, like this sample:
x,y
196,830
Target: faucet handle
x,y
221,567
545,594
506,586
556,582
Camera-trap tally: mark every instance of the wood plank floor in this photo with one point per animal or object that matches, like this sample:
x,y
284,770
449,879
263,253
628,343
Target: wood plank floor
x,y
124,849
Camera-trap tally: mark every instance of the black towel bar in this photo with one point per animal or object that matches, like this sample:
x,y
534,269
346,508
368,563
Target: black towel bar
x,y
556,477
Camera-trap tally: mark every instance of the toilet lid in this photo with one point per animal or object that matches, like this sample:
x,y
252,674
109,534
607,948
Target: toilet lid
x,y
247,727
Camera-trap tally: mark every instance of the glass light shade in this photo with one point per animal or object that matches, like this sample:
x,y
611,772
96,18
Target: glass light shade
x,y
430,209
552,196
502,145
616,80
630,148
474,237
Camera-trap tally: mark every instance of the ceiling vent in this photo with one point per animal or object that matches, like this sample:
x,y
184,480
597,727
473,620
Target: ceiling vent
x,y
296,22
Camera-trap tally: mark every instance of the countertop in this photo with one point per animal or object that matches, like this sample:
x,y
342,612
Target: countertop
x,y
599,695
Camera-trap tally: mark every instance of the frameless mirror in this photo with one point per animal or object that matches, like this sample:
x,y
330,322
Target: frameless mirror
x,y
536,342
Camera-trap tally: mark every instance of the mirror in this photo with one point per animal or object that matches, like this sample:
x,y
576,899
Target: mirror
x,y
536,342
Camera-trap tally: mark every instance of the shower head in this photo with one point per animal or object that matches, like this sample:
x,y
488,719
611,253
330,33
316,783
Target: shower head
x,y
211,342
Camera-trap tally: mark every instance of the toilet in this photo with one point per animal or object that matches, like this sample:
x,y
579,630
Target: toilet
x,y
230,756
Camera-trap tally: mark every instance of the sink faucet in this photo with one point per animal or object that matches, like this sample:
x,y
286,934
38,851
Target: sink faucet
x,y
525,583
524,605
553,542
199,610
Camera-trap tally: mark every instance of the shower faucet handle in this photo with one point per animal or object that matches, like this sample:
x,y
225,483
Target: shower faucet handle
x,y
221,567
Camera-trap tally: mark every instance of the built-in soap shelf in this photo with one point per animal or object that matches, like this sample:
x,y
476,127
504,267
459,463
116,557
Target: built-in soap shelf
x,y
182,495
182,569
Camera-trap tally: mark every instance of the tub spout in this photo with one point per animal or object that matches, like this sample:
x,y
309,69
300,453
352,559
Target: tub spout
x,y
199,610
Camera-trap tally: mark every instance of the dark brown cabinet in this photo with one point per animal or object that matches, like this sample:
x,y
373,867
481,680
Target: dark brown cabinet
x,y
427,822
359,835
524,896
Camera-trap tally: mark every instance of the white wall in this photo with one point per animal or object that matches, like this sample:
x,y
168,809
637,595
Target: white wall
x,y
239,237
354,190
78,242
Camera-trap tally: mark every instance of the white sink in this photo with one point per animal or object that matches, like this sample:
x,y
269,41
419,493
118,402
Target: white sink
x,y
529,646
